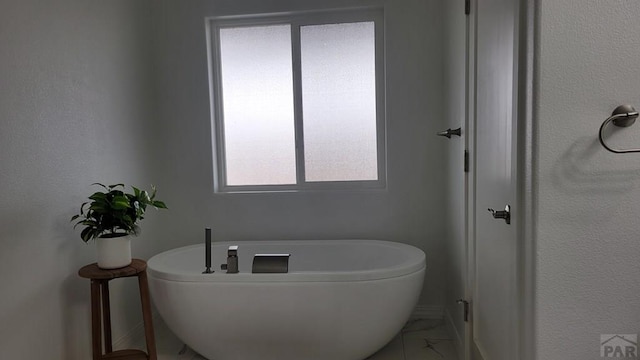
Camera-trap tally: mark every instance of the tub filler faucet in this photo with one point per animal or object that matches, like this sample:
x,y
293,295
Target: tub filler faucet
x,y
207,251
232,260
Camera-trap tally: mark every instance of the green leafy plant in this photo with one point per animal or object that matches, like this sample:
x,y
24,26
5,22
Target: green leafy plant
x,y
114,213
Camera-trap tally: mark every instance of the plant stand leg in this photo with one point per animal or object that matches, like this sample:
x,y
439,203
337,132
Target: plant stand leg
x,y
106,317
145,299
96,340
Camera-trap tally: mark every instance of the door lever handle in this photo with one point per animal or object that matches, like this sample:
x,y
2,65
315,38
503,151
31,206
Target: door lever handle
x,y
450,132
502,214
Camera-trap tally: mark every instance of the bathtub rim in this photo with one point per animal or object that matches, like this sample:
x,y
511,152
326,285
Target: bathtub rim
x,y
415,262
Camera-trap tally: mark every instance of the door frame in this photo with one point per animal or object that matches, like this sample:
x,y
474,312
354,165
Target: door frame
x,y
527,186
471,175
524,148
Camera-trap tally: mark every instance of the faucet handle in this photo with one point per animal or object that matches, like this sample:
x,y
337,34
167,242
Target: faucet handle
x,y
232,260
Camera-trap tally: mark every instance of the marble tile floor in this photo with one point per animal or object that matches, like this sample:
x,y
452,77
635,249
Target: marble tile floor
x,y
418,340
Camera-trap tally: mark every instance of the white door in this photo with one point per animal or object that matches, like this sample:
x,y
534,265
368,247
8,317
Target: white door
x,y
493,263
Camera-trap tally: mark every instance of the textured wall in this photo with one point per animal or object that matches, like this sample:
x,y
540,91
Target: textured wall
x,y
589,200
75,105
409,211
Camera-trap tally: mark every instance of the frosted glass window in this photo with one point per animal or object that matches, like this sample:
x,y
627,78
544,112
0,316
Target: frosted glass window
x,y
297,102
339,101
257,101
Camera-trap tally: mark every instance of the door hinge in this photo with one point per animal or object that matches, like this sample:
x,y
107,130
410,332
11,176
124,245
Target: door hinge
x,y
466,161
465,304
467,7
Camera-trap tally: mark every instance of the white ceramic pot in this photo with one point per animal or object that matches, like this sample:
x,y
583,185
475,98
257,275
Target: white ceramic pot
x,y
113,252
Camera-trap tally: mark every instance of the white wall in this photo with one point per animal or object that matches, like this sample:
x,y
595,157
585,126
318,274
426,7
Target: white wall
x,y
588,247
75,108
411,210
77,105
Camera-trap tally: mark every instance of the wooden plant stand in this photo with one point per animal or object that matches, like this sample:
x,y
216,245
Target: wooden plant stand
x,y
100,291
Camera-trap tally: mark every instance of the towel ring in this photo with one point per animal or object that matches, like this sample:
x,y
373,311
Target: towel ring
x,y
622,116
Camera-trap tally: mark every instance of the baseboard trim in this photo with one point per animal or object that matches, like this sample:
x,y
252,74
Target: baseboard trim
x,y
427,312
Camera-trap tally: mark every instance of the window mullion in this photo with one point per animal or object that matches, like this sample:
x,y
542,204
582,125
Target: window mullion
x,y
297,101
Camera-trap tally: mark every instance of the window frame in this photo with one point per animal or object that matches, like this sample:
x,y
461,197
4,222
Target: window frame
x,y
296,20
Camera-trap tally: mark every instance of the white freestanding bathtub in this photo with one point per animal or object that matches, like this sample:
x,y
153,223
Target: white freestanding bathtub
x,y
340,300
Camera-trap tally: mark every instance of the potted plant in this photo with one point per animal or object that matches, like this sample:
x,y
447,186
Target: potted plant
x,y
110,218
